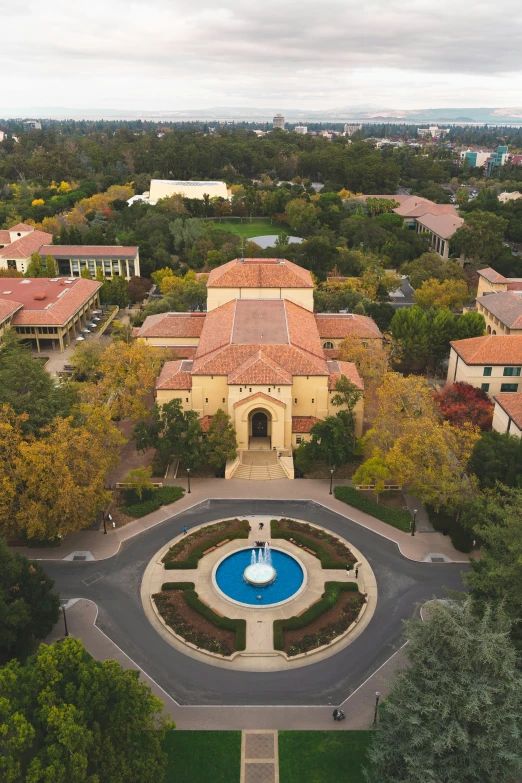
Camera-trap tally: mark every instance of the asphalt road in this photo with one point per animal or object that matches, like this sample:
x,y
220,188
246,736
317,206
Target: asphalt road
x,y
114,585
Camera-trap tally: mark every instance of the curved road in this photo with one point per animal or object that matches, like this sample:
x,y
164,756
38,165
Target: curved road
x,y
114,585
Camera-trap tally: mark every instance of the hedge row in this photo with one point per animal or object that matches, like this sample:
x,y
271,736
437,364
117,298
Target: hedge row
x,y
161,497
326,558
461,538
197,553
225,623
392,516
328,599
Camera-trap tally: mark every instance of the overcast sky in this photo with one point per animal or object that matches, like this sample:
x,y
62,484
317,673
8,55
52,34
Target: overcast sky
x,y
311,54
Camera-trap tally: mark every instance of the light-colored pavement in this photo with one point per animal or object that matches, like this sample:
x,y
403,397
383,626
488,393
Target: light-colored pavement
x,y
359,706
417,547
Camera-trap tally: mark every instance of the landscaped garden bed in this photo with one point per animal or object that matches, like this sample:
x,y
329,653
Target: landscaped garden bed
x,y
338,607
331,551
392,516
189,550
181,609
150,501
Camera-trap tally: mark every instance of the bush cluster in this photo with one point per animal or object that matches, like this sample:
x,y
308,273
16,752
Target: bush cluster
x,y
238,626
328,600
223,530
311,537
461,539
392,516
161,496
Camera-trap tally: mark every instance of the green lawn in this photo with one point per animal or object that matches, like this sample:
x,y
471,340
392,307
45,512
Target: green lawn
x,y
257,228
322,756
203,756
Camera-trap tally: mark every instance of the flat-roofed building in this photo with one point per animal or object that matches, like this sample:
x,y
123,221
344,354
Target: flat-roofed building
x,y
112,260
278,122
164,188
492,363
49,312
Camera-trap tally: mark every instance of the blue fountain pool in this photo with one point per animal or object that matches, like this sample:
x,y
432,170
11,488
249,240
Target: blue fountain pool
x,y
230,580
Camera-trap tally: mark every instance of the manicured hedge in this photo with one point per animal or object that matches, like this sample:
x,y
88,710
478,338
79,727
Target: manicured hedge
x,y
162,496
392,516
326,558
197,553
461,538
225,623
328,599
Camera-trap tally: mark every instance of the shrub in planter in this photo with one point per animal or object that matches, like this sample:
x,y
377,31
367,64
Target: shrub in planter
x,y
207,542
311,538
392,516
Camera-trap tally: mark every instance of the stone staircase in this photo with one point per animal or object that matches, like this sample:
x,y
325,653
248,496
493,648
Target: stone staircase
x,y
259,472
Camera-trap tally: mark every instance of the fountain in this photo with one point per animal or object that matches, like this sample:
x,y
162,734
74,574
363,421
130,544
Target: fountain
x,y
260,571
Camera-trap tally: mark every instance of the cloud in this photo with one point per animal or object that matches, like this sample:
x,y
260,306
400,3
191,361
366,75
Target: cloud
x,y
165,55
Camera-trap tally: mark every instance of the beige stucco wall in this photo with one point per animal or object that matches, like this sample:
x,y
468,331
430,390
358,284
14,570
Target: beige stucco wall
x,y
163,188
181,341
183,395
474,375
21,263
501,422
304,297
493,324
485,287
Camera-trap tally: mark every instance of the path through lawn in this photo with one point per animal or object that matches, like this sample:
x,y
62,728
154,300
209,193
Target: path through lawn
x,y
322,756
257,228
203,756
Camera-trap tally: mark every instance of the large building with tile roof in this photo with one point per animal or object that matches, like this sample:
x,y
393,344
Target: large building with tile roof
x,y
492,363
258,354
507,414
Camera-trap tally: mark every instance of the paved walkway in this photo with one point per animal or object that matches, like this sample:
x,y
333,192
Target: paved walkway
x,y
259,757
418,547
359,706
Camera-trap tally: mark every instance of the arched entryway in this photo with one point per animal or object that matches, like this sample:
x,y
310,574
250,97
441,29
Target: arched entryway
x,y
260,429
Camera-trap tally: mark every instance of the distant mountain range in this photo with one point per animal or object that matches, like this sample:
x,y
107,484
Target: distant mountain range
x,y
361,113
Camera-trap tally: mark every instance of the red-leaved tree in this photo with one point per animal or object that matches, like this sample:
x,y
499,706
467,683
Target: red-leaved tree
x,y
461,403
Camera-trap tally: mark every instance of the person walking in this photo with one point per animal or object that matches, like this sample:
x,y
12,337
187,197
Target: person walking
x,y
348,569
357,572
261,525
184,530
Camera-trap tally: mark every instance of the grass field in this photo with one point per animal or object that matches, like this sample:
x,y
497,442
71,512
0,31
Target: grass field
x,y
257,228
322,756
203,757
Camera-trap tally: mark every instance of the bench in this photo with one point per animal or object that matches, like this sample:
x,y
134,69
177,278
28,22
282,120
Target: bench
x,y
223,542
207,551
310,550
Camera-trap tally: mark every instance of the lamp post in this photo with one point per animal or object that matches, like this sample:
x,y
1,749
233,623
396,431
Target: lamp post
x,y
188,479
104,523
65,621
376,713
331,480
413,521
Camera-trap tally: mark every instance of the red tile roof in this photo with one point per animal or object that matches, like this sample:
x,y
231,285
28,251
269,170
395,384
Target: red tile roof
x,y
88,251
493,277
342,325
260,370
337,369
175,375
504,305
26,246
8,308
332,353
303,423
172,325
205,423
260,273
5,236
494,349
512,404
47,301
261,395
21,227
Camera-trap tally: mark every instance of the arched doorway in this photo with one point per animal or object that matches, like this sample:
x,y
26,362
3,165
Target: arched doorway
x,y
260,429
259,425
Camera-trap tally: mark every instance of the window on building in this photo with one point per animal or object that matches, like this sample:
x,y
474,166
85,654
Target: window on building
x,y
512,371
223,399
313,400
132,269
278,390
269,389
487,371
240,388
328,345
509,387
186,399
250,390
295,400
298,440
485,387
206,400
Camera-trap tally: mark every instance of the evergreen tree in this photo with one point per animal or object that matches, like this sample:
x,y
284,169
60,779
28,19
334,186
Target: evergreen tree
x,y
410,329
175,433
221,439
51,267
35,267
455,714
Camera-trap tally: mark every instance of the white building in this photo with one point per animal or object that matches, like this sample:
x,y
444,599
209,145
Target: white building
x,y
278,122
32,125
513,196
492,363
349,129
432,131
163,188
507,414
301,129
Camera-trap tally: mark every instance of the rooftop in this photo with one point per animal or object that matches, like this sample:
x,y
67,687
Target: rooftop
x,y
172,325
260,321
491,276
260,273
175,375
442,225
45,300
512,404
341,325
504,305
8,308
303,423
493,349
88,251
336,369
26,246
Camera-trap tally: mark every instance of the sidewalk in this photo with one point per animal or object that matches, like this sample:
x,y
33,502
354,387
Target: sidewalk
x,y
101,546
359,707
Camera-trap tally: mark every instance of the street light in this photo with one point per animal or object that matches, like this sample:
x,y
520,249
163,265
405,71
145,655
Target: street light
x,y
65,621
375,714
413,521
188,479
331,480
104,524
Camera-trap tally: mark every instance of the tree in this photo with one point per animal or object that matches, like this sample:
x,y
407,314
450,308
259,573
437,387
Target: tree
x,y
121,332
301,216
430,266
497,456
69,718
372,359
481,237
495,518
451,294
138,288
86,360
35,267
221,442
469,325
139,480
460,403
175,433
455,713
373,471
410,330
117,292
332,440
29,607
85,273
51,267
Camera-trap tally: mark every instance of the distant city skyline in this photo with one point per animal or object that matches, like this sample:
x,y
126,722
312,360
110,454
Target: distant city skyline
x,y
167,55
